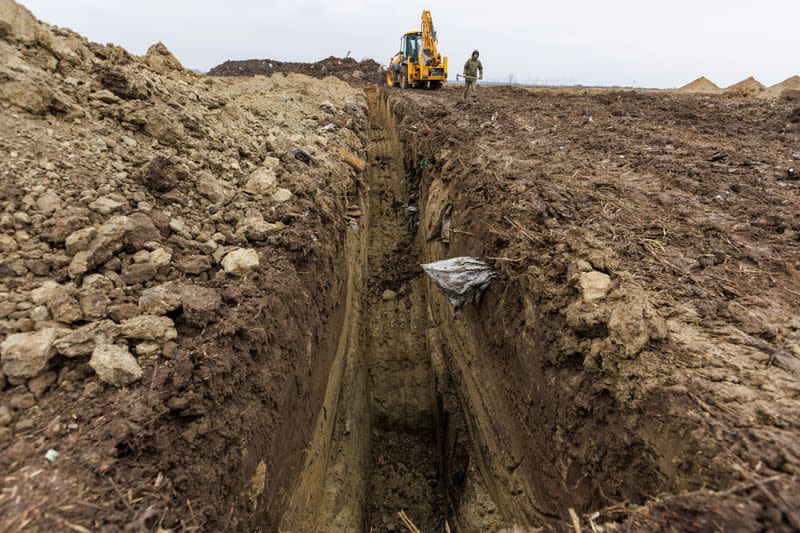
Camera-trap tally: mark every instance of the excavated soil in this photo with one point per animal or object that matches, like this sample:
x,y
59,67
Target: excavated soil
x,y
213,318
349,69
680,375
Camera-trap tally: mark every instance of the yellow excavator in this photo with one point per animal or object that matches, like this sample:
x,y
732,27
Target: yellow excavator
x,y
418,63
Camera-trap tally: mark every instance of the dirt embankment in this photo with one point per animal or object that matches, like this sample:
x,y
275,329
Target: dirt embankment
x,y
171,282
643,341
349,69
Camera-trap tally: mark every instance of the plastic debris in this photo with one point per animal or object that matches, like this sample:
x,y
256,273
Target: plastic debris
x,y
51,455
461,279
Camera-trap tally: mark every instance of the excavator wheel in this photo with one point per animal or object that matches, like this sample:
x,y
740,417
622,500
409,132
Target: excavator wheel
x,y
404,77
436,84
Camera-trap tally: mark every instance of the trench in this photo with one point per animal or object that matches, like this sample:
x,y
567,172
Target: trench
x,y
391,437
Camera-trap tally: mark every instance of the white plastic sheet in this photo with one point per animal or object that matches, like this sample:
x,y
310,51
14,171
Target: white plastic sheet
x,y
461,279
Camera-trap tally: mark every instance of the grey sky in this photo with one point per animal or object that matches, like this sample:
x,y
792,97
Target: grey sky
x,y
663,43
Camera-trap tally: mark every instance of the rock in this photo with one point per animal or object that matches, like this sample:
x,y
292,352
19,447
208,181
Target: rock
x,y
240,261
161,60
214,189
63,306
271,163
147,348
94,303
109,240
41,294
105,96
200,304
160,258
138,273
593,285
194,264
282,195
26,355
8,244
162,174
6,308
177,225
97,282
388,294
161,299
161,124
256,229
79,241
21,400
79,265
142,231
6,415
48,202
357,74
149,327
39,385
142,256
261,182
85,339
39,313
19,23
105,205
115,365
123,84
122,312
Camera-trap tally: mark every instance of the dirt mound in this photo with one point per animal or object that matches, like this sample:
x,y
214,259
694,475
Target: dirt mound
x,y
792,84
788,85
701,85
347,68
157,229
747,86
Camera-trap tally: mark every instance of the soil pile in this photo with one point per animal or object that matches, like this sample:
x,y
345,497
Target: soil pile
x,y
347,68
701,85
745,87
792,84
789,84
155,228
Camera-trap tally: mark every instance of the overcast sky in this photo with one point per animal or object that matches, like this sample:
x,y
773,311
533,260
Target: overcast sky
x,y
651,43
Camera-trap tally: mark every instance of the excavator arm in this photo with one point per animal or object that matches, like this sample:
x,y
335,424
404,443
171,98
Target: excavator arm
x,y
429,54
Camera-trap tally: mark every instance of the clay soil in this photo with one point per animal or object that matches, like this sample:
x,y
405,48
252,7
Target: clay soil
x,y
691,207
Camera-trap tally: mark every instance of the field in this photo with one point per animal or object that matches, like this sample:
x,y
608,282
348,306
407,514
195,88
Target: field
x,y
213,315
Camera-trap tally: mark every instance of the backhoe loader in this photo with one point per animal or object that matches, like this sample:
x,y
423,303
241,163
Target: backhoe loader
x,y
418,63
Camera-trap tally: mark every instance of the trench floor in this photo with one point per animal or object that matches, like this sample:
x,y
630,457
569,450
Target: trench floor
x,y
404,467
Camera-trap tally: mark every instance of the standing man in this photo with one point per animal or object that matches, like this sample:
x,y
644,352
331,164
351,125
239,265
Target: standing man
x,y
471,77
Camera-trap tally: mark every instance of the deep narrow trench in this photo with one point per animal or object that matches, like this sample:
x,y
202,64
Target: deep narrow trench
x,y
404,464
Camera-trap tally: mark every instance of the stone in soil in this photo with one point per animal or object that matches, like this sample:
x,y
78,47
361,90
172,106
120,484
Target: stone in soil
x,y
25,355
115,365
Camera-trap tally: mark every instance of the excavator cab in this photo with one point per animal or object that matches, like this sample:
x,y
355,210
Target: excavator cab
x,y
411,44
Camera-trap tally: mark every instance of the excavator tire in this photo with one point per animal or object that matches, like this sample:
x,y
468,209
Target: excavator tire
x,y
404,77
436,84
